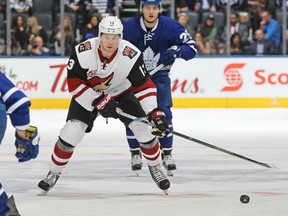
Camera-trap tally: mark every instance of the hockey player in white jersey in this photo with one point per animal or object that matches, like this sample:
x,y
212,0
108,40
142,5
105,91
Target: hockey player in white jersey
x,y
15,104
105,73
161,40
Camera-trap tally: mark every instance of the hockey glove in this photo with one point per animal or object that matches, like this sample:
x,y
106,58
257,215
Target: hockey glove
x,y
158,118
168,57
106,106
27,149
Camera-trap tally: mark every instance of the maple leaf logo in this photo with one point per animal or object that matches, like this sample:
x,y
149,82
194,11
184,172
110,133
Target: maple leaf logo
x,y
150,58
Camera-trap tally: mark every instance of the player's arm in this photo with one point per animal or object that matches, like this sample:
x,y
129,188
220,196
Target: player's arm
x,y
182,46
76,80
143,87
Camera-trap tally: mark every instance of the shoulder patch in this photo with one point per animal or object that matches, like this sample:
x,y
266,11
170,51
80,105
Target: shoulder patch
x,y
128,51
84,46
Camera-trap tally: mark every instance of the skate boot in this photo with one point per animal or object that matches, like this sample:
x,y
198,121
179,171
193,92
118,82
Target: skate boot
x,y
168,162
136,161
47,183
159,178
11,208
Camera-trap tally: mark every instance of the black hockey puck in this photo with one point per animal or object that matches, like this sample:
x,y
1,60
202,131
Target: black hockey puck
x,y
244,199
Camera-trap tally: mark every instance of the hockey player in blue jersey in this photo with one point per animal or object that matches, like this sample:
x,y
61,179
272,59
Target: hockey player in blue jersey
x,y
14,103
162,40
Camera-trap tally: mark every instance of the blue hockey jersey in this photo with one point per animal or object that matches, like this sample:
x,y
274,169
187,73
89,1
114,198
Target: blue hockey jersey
x,y
168,32
16,102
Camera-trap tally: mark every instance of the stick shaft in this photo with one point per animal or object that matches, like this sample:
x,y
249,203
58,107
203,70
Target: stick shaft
x,y
119,111
156,69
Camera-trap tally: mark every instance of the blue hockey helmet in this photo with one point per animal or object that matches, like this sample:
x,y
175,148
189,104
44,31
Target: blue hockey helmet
x,y
153,2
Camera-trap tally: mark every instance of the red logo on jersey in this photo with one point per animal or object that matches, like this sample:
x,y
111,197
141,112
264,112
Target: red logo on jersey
x,y
233,77
101,84
128,51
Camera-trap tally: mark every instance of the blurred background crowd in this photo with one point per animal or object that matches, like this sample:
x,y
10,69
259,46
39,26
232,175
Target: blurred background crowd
x,y
255,27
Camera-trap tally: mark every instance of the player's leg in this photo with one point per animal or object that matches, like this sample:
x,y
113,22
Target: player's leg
x,y
136,156
3,200
164,101
78,122
149,144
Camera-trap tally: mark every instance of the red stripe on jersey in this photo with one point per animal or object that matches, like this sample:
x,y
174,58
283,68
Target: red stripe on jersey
x,y
147,95
81,92
146,85
74,83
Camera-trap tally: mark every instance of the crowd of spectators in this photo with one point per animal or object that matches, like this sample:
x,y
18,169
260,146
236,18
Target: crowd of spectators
x,y
254,25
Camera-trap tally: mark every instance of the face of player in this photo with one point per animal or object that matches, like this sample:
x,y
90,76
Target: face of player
x,y
150,14
109,43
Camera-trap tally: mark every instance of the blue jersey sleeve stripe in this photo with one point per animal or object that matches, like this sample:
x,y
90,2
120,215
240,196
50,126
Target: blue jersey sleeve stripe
x,y
17,104
9,93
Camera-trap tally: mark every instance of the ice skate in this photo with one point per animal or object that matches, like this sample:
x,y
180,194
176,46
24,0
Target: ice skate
x,y
159,178
11,208
136,161
168,162
47,183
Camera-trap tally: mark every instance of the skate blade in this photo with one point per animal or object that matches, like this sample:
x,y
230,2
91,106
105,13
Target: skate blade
x,y
165,192
137,173
42,192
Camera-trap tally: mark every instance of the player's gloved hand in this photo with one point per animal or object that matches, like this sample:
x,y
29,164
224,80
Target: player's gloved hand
x,y
168,57
27,149
158,118
106,106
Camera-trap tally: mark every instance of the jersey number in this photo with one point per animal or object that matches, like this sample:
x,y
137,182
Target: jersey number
x,y
70,64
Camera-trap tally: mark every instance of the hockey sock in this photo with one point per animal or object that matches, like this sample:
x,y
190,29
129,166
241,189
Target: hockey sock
x,y
152,154
61,155
3,200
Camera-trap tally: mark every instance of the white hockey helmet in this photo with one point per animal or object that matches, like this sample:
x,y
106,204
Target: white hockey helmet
x,y
111,25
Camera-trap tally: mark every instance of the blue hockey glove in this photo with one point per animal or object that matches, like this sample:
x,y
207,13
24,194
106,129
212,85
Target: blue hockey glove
x,y
158,118
27,149
168,57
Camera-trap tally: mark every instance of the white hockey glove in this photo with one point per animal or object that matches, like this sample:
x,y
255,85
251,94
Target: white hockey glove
x,y
27,149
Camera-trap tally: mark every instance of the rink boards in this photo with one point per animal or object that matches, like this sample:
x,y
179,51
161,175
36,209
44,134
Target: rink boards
x,y
202,82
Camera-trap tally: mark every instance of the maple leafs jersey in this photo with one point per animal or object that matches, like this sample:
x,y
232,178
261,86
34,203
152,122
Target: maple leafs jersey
x,y
16,102
167,33
90,75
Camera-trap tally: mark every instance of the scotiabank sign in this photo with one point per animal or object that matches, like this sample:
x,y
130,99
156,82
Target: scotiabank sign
x,y
204,77
234,77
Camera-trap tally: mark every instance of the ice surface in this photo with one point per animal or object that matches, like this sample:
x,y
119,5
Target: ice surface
x,y
98,179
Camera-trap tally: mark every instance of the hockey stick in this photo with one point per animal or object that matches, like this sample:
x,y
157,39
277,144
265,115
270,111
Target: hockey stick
x,y
156,69
120,112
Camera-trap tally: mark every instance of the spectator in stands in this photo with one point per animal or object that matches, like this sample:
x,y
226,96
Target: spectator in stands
x,y
255,7
33,27
183,20
92,27
261,46
202,6
237,27
208,30
271,28
36,48
236,5
55,38
203,47
111,6
183,6
22,6
76,7
96,6
18,30
236,47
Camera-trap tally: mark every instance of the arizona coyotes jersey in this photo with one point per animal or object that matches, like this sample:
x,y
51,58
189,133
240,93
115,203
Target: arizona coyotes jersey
x,y
90,75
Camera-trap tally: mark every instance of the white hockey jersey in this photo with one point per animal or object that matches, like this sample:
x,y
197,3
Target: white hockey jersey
x,y
90,75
